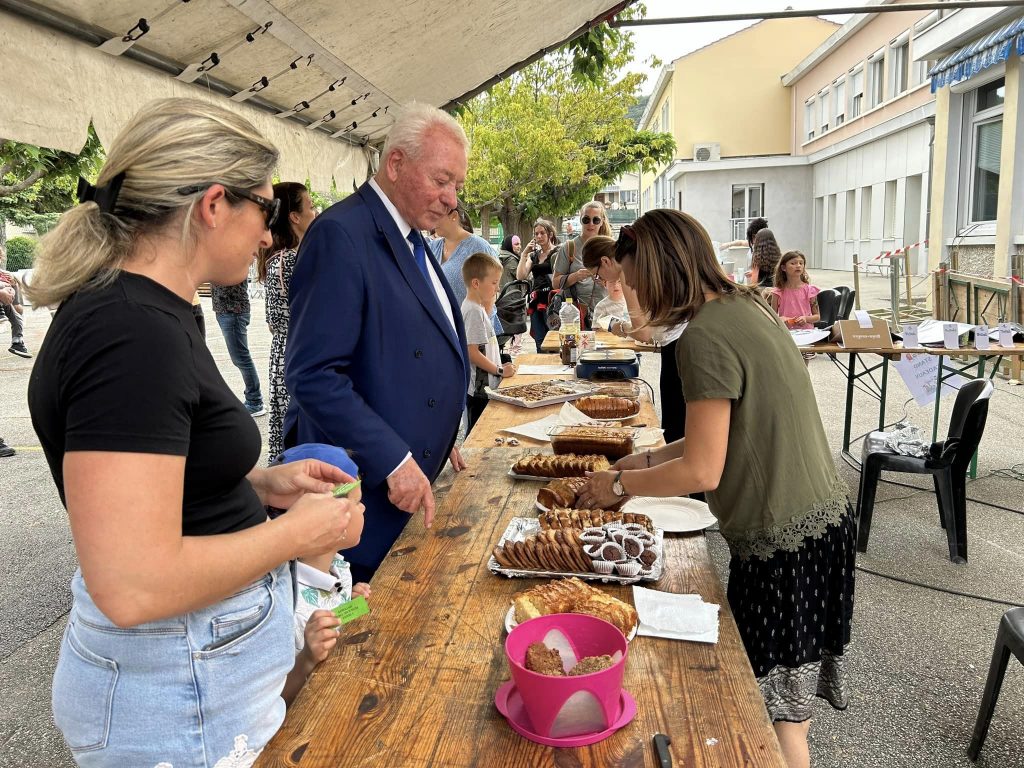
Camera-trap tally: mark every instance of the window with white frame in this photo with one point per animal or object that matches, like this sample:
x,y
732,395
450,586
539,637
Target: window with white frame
x,y
747,204
823,111
664,115
839,100
857,92
850,224
865,213
629,197
899,65
809,119
889,210
876,79
982,150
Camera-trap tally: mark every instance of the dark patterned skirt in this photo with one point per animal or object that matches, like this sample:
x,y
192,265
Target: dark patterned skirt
x,y
794,612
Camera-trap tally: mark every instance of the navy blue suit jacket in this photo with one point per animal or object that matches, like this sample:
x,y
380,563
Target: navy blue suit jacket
x,y
372,363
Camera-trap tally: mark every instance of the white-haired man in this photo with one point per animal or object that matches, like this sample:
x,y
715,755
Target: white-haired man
x,y
376,359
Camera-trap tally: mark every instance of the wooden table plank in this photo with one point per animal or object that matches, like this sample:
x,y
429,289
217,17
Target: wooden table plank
x,y
498,415
605,338
413,683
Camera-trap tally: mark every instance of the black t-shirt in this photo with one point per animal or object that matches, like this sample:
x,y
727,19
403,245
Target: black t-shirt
x,y
123,368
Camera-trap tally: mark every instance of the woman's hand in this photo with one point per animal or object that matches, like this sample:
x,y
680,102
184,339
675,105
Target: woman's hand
x,y
282,485
598,493
508,370
322,524
616,326
633,461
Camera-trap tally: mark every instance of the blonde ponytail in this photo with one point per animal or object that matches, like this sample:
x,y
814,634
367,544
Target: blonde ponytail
x,y
168,145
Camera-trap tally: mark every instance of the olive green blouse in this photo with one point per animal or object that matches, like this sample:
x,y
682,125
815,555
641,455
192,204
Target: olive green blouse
x,y
780,485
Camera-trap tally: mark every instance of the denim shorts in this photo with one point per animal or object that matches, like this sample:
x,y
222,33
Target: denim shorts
x,y
193,691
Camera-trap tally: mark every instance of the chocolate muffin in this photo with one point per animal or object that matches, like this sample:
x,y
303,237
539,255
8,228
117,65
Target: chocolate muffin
x,y
544,660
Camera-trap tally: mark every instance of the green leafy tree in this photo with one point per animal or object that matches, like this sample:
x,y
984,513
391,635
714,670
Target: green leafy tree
x,y
38,184
546,139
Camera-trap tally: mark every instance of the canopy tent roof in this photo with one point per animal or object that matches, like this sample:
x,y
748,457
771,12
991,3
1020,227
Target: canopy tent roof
x,y
322,79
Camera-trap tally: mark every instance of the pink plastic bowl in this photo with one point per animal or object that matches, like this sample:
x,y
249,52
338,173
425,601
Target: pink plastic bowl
x,y
543,695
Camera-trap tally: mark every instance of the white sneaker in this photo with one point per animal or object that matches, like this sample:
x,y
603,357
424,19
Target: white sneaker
x,y
261,411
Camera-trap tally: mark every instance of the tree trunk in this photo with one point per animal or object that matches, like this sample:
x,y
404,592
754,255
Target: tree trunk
x,y
485,223
3,243
511,218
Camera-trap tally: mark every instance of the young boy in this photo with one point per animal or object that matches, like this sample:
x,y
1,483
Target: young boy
x,y
323,582
481,273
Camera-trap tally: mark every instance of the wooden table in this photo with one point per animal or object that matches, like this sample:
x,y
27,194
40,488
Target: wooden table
x,y
413,683
606,338
498,415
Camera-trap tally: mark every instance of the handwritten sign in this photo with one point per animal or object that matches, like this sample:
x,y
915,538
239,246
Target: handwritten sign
x,y
920,373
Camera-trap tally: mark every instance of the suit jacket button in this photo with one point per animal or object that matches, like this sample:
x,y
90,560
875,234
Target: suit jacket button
x,y
426,454
431,402
419,353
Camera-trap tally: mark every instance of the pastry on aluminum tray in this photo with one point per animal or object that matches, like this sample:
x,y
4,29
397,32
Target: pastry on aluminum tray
x,y
567,465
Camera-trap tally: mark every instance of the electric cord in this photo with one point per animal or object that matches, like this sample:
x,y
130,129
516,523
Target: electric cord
x,y
934,588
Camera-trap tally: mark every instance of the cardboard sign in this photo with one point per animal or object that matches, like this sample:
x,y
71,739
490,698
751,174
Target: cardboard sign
x,y
853,336
950,337
981,337
910,337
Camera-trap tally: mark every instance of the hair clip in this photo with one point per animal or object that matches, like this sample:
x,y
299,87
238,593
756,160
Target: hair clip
x,y
105,197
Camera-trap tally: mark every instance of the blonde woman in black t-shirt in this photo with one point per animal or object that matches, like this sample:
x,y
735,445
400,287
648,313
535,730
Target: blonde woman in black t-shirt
x,y
180,637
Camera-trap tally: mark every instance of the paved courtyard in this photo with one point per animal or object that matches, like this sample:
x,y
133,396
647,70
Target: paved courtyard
x,y
920,653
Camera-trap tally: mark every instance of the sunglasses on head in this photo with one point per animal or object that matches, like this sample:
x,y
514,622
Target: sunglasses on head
x,y
591,220
271,207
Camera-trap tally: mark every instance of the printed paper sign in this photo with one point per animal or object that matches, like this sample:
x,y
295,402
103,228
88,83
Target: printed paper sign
x,y
950,337
1005,335
910,337
981,337
920,372
863,318
352,610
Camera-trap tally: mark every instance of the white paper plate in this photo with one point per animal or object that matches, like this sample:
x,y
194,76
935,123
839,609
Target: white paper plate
x,y
674,514
511,623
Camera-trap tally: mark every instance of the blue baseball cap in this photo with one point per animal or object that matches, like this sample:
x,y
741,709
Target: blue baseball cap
x,y
329,454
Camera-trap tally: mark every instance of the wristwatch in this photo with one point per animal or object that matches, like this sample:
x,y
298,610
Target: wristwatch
x,y
500,371
617,488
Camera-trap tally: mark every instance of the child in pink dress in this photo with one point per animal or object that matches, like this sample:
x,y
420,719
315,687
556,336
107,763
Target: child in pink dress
x,y
793,297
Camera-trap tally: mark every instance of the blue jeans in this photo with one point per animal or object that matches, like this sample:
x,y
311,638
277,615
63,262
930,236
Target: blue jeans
x,y
186,691
235,328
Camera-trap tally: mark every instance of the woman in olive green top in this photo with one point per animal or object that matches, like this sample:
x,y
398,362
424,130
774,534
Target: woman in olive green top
x,y
754,442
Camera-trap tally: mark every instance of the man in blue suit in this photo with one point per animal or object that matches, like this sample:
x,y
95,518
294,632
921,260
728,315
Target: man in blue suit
x,y
376,359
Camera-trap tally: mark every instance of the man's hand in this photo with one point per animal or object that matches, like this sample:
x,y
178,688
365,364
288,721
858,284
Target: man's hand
x,y
409,490
458,463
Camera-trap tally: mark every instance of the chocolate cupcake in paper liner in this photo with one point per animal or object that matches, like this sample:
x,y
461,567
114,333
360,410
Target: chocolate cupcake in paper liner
x,y
612,552
628,569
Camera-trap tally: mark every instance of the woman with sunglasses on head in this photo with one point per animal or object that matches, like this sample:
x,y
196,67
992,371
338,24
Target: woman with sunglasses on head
x,y
535,265
181,632
570,275
755,443
274,267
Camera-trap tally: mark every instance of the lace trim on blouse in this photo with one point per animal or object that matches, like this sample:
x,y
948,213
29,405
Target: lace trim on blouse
x,y
793,534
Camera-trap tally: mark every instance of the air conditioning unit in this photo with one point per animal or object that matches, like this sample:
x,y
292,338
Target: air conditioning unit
x,y
704,152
